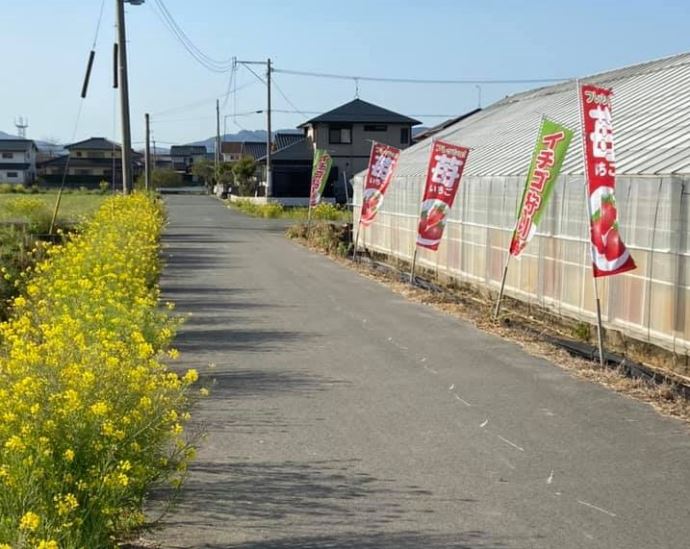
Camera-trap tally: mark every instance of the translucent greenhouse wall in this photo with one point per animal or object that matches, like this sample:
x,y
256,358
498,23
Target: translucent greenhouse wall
x,y
651,303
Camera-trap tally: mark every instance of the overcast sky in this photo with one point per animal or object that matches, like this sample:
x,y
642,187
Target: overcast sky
x,y
45,45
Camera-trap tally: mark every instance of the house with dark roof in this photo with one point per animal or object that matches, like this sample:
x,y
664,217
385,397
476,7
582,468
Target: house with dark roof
x,y
184,156
255,149
231,151
291,167
347,131
17,161
89,162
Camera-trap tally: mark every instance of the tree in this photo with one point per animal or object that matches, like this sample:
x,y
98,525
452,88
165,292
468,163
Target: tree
x,y
204,170
161,177
225,175
244,171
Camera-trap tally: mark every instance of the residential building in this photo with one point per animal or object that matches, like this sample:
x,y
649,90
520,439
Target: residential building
x,y
291,166
255,149
346,132
184,156
88,163
17,161
231,151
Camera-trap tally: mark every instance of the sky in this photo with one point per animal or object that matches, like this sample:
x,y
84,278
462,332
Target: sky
x,y
46,44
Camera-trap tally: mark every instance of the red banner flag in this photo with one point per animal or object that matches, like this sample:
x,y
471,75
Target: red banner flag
x,y
609,254
446,164
382,163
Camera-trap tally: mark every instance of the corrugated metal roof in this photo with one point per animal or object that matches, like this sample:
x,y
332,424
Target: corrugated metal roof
x,y
651,121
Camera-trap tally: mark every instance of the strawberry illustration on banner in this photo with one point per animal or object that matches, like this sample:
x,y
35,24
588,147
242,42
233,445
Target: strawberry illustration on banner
x,y
382,163
321,167
446,165
609,254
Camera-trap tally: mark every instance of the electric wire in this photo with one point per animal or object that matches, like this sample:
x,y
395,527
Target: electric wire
x,y
472,81
208,62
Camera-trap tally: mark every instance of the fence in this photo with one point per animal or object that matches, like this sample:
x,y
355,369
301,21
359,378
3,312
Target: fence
x,y
650,303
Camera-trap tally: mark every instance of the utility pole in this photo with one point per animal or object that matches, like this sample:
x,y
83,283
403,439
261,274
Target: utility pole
x,y
155,157
147,156
124,99
217,157
269,137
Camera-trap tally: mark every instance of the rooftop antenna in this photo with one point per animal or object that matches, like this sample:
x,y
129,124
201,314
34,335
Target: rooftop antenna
x,y
356,88
21,123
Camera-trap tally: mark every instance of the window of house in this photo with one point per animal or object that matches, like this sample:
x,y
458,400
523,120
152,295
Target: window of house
x,y
7,155
404,135
78,153
339,135
375,128
83,172
12,175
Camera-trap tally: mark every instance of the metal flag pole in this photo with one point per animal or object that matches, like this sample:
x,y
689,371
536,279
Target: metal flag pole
x,y
354,250
309,223
497,309
414,263
600,341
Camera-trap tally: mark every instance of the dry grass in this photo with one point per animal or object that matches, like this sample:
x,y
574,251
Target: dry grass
x,y
528,332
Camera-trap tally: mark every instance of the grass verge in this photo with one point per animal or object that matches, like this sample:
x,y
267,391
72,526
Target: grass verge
x,y
322,212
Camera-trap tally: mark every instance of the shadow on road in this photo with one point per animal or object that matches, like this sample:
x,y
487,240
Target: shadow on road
x,y
393,540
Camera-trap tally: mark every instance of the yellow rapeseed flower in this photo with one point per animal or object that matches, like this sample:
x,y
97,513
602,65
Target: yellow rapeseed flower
x,y
30,521
191,376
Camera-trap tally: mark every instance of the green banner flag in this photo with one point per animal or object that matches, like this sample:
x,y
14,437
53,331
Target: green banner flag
x,y
319,175
547,159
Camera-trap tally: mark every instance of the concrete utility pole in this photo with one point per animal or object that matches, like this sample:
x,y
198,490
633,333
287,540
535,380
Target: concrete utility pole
x,y
147,156
269,137
124,98
217,156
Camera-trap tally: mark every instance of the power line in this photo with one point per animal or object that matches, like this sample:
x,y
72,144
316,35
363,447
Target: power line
x,y
287,99
178,33
356,78
200,102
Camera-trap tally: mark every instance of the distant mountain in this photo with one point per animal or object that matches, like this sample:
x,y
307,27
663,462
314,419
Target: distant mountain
x,y
243,135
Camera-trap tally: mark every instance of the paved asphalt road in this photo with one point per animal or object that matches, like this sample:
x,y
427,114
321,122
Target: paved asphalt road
x,y
344,416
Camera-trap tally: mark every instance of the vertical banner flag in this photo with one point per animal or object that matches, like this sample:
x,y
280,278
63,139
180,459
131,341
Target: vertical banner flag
x,y
446,164
319,175
547,159
609,254
382,163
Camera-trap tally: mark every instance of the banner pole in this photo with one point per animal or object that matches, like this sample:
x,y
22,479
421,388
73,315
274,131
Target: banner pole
x,y
600,342
414,262
497,310
354,250
309,224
